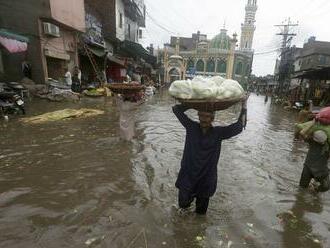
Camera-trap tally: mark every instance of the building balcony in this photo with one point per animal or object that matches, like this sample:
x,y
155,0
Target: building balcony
x,y
136,11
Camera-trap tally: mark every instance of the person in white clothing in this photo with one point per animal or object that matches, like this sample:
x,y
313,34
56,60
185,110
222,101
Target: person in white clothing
x,y
68,77
127,106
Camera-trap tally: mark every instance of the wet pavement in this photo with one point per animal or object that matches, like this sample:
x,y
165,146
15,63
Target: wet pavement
x,y
75,183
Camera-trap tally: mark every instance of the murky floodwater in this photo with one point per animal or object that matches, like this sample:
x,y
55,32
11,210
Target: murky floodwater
x,y
66,183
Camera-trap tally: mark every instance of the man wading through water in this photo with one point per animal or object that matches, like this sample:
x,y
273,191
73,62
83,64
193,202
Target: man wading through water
x,y
198,174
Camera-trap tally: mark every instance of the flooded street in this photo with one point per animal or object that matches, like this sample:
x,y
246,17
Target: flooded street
x,y
75,183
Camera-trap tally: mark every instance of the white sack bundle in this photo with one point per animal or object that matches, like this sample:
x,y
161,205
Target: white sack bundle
x,y
217,80
230,89
203,88
181,89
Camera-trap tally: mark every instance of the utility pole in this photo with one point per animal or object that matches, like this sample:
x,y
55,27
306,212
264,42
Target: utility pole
x,y
284,69
285,32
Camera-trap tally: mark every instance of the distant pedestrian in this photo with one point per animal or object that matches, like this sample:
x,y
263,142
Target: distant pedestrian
x,y
127,104
316,163
68,77
76,80
27,69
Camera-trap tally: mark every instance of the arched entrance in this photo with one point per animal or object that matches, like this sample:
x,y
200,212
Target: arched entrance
x,y
174,74
190,65
239,68
210,66
222,66
200,66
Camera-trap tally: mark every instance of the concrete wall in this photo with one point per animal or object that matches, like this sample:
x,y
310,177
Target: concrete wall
x,y
64,48
69,12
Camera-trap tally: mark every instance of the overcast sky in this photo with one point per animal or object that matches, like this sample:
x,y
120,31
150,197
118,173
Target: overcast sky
x,y
184,17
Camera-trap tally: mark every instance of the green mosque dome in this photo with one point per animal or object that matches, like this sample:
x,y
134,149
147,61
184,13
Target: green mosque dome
x,y
221,41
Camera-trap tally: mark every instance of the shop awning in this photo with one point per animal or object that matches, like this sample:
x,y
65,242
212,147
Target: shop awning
x,y
137,50
14,43
322,73
10,35
99,52
116,60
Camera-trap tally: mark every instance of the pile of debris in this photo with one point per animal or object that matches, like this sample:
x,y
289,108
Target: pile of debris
x,y
52,90
64,114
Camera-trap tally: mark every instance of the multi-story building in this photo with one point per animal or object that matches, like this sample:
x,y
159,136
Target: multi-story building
x,y
57,29
53,27
199,56
114,29
313,55
312,58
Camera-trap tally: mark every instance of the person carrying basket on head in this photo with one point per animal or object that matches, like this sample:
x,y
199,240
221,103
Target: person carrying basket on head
x,y
198,174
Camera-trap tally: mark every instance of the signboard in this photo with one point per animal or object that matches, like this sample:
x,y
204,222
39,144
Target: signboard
x,y
94,30
56,54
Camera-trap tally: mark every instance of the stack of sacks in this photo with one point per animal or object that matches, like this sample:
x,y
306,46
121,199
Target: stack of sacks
x,y
307,128
207,88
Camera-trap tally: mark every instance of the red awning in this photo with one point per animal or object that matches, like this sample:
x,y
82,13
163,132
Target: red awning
x,y
13,46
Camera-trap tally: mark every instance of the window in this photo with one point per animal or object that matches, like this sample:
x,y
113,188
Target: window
x,y
121,20
129,30
323,59
239,68
140,33
200,65
222,66
210,66
190,65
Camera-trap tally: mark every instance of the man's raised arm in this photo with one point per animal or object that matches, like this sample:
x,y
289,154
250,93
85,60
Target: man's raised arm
x,y
179,110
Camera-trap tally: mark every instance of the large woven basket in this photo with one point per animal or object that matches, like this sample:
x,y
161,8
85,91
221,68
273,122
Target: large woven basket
x,y
125,89
209,105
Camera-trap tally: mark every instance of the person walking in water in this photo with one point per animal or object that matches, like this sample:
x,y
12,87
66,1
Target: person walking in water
x,y
316,163
198,174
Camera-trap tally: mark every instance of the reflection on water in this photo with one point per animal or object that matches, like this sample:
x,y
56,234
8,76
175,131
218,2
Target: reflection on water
x,y
66,183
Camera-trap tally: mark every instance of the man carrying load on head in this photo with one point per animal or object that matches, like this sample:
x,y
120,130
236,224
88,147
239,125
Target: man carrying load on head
x,y
198,174
316,163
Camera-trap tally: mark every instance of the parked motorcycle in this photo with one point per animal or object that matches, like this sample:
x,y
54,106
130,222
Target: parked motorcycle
x,y
11,103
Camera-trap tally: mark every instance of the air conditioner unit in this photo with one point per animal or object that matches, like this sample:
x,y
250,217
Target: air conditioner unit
x,y
51,29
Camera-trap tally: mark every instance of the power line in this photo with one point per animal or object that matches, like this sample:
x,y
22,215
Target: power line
x,y
172,10
268,52
160,25
286,33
